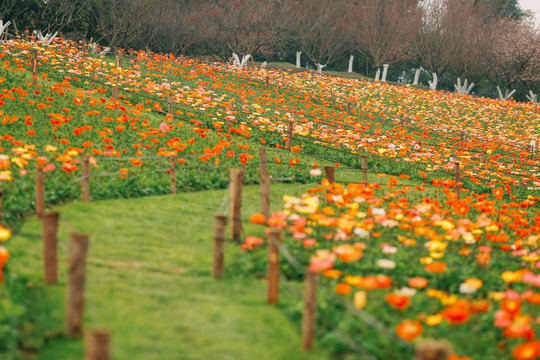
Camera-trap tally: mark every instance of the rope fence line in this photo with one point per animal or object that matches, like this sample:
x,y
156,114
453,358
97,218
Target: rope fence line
x,y
313,138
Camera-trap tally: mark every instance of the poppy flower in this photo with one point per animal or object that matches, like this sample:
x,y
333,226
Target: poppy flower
x,y
400,302
257,219
418,282
5,234
456,314
527,351
409,330
157,106
343,288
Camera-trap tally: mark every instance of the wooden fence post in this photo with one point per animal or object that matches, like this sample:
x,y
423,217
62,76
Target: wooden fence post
x,y
308,318
78,247
97,345
364,169
289,134
236,180
114,91
40,192
265,184
329,173
348,107
432,350
50,247
119,59
85,182
220,222
457,178
273,266
172,165
228,125
34,66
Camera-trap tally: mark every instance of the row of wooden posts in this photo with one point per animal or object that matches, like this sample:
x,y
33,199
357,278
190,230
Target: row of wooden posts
x,y
97,341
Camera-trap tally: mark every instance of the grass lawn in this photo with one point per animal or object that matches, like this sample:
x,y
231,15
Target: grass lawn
x,y
149,281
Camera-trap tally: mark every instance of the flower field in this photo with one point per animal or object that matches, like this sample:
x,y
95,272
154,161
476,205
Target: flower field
x,y
441,242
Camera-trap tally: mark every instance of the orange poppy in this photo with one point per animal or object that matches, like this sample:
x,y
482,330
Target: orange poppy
x,y
343,288
527,351
436,267
157,106
257,219
418,282
456,314
398,301
409,329
332,273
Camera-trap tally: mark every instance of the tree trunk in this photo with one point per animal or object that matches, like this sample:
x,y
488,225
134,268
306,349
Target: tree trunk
x,y
417,77
433,84
385,71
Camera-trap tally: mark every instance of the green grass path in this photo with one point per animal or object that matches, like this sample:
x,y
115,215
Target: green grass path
x,y
149,280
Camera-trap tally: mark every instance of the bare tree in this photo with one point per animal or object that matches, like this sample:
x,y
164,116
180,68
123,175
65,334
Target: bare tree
x,y
48,16
319,28
117,22
515,57
383,30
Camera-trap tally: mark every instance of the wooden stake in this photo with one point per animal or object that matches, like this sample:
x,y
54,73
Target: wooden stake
x,y
236,180
289,134
308,318
228,125
78,247
432,350
114,90
119,59
457,178
85,182
265,185
273,266
170,103
220,222
267,82
50,247
348,108
40,192
329,173
97,345
364,169
172,163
